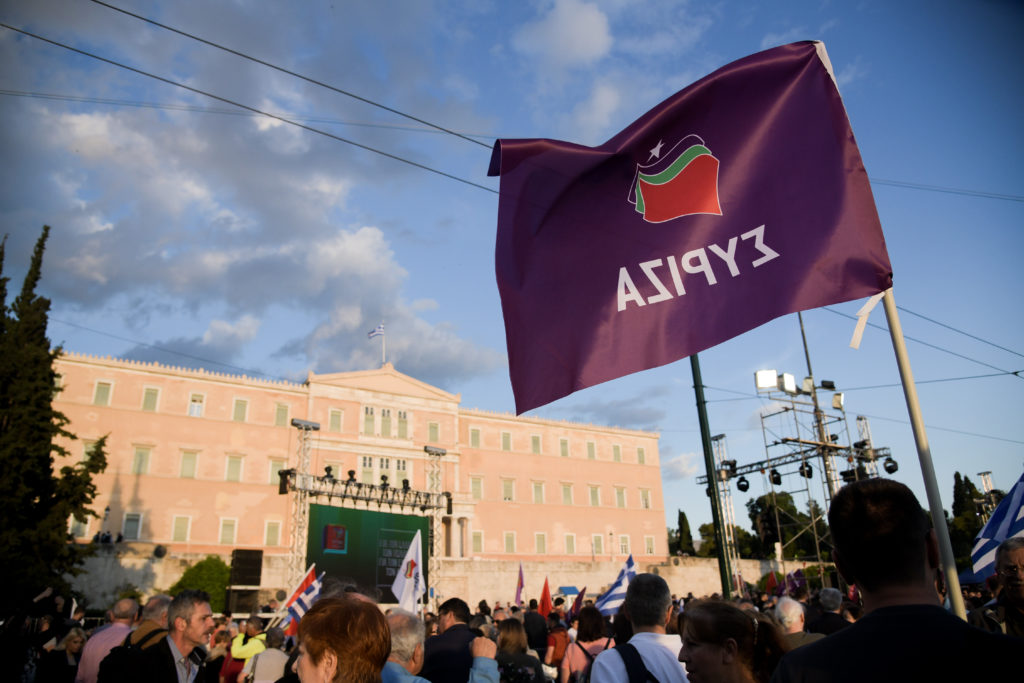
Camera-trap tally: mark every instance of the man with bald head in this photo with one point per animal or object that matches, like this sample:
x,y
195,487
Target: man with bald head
x,y
123,615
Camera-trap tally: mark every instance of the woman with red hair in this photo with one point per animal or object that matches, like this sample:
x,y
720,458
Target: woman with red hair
x,y
342,639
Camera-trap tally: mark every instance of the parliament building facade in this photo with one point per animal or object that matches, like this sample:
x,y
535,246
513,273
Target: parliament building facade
x,y
194,456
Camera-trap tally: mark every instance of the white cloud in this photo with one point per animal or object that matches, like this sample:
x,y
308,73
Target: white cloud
x,y
572,33
592,118
681,466
222,333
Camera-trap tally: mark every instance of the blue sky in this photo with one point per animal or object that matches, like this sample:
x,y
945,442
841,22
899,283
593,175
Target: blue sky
x,y
184,229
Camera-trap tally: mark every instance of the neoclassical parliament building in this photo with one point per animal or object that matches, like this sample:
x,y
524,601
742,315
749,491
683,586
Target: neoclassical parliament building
x,y
194,456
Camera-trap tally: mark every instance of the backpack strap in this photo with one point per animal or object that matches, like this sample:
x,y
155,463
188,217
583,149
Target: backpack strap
x,y
635,667
148,637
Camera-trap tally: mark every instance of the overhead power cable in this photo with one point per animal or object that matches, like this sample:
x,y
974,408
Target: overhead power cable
x,y
291,73
945,190
959,331
248,108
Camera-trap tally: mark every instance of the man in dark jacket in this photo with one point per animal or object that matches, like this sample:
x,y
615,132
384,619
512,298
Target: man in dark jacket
x,y
536,627
831,620
178,657
446,656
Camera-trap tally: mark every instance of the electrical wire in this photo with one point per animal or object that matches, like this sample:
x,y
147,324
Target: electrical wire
x,y
959,331
251,109
291,73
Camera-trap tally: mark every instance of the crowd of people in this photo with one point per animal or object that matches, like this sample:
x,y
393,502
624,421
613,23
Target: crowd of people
x,y
897,629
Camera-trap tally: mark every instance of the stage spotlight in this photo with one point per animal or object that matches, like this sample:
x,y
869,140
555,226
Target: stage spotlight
x,y
775,477
383,481
351,477
806,471
742,484
405,485
890,466
849,476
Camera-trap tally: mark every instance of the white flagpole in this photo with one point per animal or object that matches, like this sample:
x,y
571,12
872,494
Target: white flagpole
x,y
383,349
924,454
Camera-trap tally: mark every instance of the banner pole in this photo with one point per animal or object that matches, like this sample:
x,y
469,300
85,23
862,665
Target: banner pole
x,y
709,463
924,454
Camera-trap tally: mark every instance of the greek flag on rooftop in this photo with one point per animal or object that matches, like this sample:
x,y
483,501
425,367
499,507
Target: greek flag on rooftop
x,y
306,599
1006,522
612,598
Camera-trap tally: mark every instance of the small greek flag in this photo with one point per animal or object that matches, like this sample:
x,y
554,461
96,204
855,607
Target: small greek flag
x,y
1006,522
612,599
376,332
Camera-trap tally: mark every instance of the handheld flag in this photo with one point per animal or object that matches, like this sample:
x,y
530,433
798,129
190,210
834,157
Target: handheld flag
x,y
612,599
519,586
409,585
1006,522
739,199
577,605
545,606
302,599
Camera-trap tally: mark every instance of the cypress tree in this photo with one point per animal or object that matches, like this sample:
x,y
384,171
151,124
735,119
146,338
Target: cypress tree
x,y
685,535
36,550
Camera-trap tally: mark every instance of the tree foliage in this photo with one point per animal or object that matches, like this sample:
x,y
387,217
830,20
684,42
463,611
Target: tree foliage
x,y
210,575
746,543
778,520
965,522
38,503
685,536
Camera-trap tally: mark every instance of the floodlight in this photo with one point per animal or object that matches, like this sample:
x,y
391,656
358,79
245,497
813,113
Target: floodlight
x,y
806,471
837,401
828,385
808,385
766,380
742,484
788,384
890,466
775,477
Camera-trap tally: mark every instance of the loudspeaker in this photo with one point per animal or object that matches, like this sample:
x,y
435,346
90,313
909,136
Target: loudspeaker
x,y
242,601
246,567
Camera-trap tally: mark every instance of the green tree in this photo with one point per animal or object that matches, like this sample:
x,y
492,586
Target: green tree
x,y
965,522
36,549
211,575
684,535
790,526
746,544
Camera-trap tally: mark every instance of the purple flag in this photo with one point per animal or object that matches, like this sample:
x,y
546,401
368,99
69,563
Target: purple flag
x,y
740,199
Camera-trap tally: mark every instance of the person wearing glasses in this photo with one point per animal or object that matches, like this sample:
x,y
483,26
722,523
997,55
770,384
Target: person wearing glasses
x,y
1005,614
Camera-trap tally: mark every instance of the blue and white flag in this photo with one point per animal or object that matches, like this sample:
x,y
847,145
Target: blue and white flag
x,y
612,599
1006,522
376,332
305,600
409,585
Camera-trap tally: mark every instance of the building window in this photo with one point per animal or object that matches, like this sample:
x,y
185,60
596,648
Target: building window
x,y
188,464
276,465
433,432
401,467
478,541
367,470
649,545
474,438
280,414
535,444
570,544
540,541
510,541
620,497
241,408
616,453
640,457
385,422
595,495
233,469
403,425
180,529
227,531
334,421
149,399
506,441
566,494
368,421
476,488
140,462
101,397
538,492
597,542
195,405
645,499
272,534
132,527
591,450
508,490
563,447
624,545
79,529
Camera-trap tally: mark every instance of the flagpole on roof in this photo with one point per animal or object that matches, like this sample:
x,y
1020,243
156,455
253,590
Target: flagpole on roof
x,y
924,454
724,570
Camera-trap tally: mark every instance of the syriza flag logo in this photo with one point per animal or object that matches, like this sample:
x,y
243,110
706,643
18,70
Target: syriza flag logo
x,y
678,183
410,569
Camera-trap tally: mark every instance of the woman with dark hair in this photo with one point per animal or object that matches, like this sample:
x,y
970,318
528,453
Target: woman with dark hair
x,y
514,665
342,639
591,640
722,643
61,663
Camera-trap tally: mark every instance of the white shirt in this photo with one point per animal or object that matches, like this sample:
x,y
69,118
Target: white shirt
x,y
659,651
